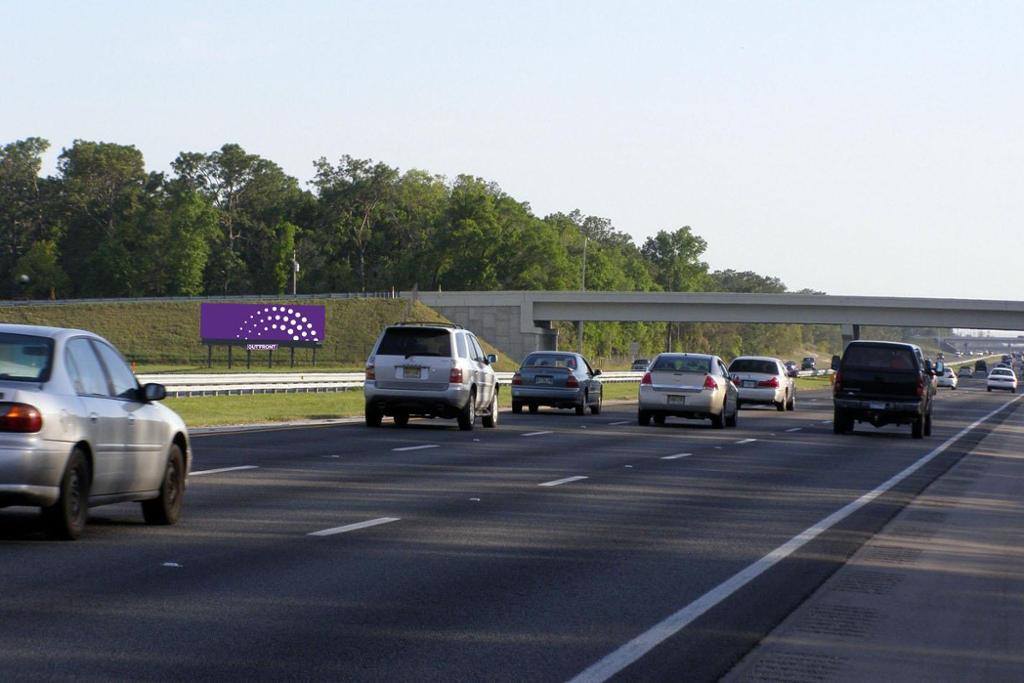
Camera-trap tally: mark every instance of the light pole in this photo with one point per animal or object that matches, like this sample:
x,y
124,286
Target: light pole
x,y
583,288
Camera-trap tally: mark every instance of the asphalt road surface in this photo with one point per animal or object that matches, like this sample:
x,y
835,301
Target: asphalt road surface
x,y
535,551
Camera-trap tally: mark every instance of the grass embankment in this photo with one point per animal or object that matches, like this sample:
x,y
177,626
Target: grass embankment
x,y
163,336
207,411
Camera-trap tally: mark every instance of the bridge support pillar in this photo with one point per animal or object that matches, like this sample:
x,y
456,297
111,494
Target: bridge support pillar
x,y
850,332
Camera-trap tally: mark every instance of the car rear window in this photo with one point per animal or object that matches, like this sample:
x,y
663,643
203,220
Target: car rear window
x,y
25,358
766,367
682,364
415,341
879,357
547,360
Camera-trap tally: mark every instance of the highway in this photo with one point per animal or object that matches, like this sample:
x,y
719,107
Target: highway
x,y
532,552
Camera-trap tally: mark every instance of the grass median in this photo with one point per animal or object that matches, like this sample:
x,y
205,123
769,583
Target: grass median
x,y
210,411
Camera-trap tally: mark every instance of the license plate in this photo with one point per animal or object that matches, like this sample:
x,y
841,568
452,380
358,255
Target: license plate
x,y
412,373
749,383
676,400
543,380
876,405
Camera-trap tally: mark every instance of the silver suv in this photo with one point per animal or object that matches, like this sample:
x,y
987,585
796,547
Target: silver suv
x,y
430,370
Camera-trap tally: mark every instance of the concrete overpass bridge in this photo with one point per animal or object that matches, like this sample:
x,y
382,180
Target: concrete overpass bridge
x,y
520,321
973,343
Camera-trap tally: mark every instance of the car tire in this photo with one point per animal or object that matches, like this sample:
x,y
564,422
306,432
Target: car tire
x,y
718,421
780,406
731,421
596,408
659,420
165,509
401,419
66,518
534,408
989,388
841,424
917,428
791,403
928,424
643,418
517,407
490,421
373,416
739,404
581,407
467,416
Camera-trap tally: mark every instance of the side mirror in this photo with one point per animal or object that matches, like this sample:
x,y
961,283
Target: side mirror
x,y
596,373
153,392
491,359
835,362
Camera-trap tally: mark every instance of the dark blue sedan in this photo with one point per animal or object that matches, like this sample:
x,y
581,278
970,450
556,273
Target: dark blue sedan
x,y
557,379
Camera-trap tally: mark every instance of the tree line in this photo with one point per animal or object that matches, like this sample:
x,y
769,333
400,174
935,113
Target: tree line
x,y
228,222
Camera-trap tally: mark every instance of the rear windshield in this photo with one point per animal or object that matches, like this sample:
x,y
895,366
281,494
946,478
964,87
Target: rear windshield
x,y
766,367
547,360
413,341
879,357
1002,371
682,364
24,358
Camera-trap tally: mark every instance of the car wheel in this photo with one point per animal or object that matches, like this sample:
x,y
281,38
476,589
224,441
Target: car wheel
x,y
791,405
467,417
534,408
928,424
917,428
581,407
780,405
373,416
596,408
401,419
739,404
730,421
841,424
166,508
517,407
490,421
66,518
718,421
659,420
644,418
990,388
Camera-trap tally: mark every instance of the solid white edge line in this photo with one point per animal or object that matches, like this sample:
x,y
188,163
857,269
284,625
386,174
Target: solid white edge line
x,y
354,527
536,433
416,448
224,469
746,441
558,482
676,456
636,648
616,424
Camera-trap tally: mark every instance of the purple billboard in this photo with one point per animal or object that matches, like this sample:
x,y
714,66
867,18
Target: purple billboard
x,y
263,323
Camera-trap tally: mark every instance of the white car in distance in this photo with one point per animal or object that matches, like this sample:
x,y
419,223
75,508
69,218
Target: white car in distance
x,y
763,380
1002,378
948,378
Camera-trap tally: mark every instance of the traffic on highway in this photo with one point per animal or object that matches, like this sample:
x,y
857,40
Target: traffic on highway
x,y
561,546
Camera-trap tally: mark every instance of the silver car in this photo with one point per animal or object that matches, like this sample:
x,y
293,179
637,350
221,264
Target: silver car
x,y
431,370
77,430
689,385
763,380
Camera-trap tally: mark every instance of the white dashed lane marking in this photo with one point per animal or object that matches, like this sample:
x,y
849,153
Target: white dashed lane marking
x,y
559,482
794,429
354,527
416,448
743,441
224,469
676,456
536,433
616,424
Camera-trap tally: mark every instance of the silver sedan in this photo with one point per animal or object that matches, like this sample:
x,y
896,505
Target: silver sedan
x,y
77,430
689,385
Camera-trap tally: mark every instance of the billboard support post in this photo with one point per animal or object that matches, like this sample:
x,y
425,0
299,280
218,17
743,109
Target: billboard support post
x,y
292,352
209,355
248,359
229,357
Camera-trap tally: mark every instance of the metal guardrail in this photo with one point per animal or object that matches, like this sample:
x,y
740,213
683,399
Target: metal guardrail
x,y
218,384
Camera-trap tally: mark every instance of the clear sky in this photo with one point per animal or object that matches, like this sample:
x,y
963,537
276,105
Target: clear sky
x,y
854,147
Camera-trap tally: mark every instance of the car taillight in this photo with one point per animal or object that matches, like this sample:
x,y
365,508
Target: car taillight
x,y
647,379
920,387
710,383
517,378
371,373
19,417
837,382
773,382
455,376
572,382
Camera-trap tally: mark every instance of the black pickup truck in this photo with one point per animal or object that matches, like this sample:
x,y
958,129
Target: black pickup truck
x,y
883,383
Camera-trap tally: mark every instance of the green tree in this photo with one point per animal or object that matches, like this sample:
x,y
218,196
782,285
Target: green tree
x,y
46,279
22,210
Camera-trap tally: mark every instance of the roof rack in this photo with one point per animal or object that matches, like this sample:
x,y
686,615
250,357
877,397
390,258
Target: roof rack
x,y
428,323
